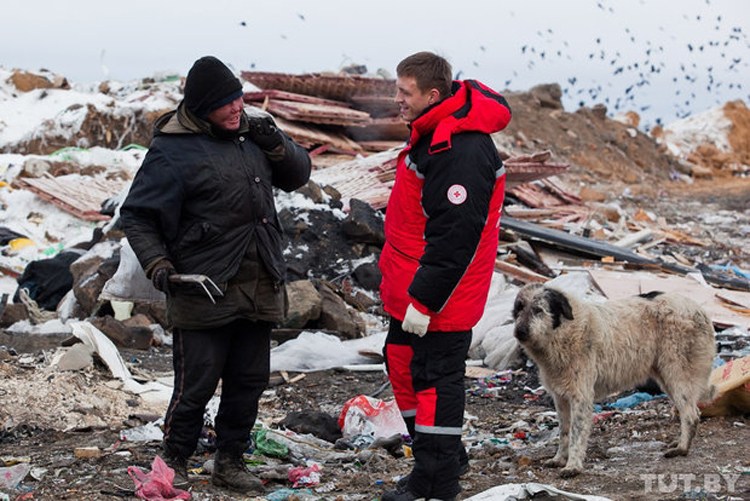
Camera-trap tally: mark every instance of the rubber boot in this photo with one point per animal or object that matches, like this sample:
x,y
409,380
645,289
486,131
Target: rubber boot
x,y
463,457
230,472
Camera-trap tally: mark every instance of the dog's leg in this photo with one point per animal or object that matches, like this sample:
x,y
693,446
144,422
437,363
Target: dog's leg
x,y
562,406
581,407
685,399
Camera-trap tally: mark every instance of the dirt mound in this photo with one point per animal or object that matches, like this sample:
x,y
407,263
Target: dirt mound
x,y
599,149
97,128
739,136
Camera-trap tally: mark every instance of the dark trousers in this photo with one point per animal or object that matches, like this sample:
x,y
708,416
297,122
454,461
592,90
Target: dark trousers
x,y
427,376
238,354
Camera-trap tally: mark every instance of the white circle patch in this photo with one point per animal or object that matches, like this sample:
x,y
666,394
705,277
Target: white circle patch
x,y
457,194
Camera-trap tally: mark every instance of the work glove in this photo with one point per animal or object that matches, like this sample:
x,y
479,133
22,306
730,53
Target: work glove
x,y
264,133
160,275
415,321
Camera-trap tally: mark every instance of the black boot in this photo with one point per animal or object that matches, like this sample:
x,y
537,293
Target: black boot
x,y
401,493
463,461
230,472
179,464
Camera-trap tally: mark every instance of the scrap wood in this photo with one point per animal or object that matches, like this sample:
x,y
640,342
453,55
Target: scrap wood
x,y
534,196
317,113
380,129
377,106
602,249
523,274
371,179
527,256
361,178
528,168
535,158
340,87
678,237
634,238
310,136
281,95
81,196
327,148
544,212
555,186
380,145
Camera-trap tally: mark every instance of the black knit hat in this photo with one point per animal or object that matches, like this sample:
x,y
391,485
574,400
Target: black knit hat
x,y
210,85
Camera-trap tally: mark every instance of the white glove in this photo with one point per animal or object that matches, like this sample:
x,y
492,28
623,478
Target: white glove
x,y
415,321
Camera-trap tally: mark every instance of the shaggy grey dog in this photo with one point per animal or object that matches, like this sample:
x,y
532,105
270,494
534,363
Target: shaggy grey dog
x,y
586,351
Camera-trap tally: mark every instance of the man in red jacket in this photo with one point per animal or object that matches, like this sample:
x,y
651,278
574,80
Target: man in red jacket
x,y
441,228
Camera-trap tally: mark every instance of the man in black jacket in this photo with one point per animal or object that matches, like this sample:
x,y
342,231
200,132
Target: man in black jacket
x,y
202,203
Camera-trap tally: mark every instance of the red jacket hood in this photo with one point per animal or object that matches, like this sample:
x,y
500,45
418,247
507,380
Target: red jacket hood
x,y
473,107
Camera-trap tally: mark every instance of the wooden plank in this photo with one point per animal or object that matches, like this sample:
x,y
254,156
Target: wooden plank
x,y
280,95
317,113
341,87
519,273
310,136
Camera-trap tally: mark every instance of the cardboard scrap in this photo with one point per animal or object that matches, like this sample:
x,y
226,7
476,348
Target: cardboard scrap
x,y
732,381
619,284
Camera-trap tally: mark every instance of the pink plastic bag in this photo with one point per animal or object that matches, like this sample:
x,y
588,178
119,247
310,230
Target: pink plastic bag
x,y
304,477
156,485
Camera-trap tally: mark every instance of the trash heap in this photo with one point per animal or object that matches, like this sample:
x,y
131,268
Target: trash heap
x,y
85,343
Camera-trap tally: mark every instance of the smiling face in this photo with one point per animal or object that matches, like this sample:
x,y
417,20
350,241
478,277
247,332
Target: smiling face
x,y
411,100
228,116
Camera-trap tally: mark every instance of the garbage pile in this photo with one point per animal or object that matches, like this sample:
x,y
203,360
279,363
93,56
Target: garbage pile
x,y
79,321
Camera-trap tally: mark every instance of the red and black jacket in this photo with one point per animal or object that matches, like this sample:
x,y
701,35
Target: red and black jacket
x,y
443,215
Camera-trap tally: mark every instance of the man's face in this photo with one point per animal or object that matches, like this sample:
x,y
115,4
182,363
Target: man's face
x,y
412,101
228,116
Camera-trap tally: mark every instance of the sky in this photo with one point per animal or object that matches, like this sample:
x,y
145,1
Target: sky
x,y
662,59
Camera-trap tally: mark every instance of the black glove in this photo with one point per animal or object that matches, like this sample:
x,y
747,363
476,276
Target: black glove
x,y
264,133
160,275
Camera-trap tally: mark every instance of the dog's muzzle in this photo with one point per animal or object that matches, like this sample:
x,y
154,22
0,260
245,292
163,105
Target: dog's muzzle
x,y
521,333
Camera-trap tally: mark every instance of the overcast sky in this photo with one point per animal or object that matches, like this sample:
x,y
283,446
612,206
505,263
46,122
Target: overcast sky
x,y
661,58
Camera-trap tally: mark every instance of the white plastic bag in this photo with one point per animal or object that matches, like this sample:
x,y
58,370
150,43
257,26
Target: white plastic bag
x,y
363,415
129,282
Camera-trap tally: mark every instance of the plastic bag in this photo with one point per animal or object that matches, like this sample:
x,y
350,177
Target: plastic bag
x,y
156,485
129,283
11,476
267,446
363,415
304,476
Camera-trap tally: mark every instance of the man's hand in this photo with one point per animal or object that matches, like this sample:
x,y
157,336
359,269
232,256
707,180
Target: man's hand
x,y
160,275
415,322
264,133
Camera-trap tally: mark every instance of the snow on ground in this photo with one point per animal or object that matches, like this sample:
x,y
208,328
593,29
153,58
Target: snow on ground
x,y
709,127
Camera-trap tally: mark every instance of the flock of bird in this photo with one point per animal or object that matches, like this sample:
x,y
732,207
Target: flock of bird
x,y
705,71
707,68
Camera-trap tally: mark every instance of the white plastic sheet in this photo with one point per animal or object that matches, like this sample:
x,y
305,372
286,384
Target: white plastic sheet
x,y
317,351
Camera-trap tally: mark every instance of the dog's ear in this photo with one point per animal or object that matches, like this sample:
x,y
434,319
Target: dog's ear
x,y
558,305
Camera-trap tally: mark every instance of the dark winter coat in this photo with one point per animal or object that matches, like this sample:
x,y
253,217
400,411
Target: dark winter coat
x,y
203,199
443,215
